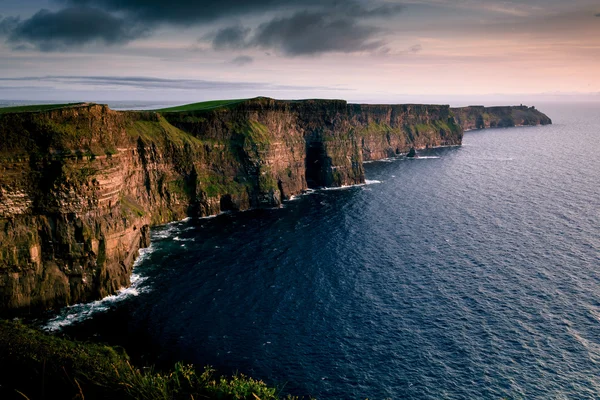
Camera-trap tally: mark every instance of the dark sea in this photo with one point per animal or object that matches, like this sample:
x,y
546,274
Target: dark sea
x,y
472,272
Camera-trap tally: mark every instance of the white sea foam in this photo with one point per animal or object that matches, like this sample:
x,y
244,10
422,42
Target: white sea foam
x,y
178,239
165,232
80,312
367,182
142,255
305,193
341,187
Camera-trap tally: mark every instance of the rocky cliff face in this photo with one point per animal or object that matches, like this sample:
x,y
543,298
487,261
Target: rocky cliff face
x,y
80,186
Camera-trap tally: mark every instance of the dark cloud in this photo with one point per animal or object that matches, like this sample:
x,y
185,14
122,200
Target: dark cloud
x,y
194,11
8,24
190,12
300,26
308,33
598,15
336,26
73,27
233,37
242,61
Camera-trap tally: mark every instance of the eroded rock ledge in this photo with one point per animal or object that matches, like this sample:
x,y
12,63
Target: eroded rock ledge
x,y
81,185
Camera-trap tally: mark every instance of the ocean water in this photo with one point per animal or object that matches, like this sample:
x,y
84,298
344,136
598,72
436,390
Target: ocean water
x,y
472,272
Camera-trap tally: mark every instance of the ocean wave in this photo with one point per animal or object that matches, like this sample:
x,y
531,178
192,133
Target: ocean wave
x,y
143,254
297,196
167,231
80,312
171,229
344,187
178,239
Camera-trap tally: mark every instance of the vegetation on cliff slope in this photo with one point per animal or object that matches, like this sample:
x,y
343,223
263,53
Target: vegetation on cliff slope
x,y
35,365
205,105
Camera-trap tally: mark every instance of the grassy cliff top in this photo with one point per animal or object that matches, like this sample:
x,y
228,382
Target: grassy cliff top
x,y
205,105
201,106
217,104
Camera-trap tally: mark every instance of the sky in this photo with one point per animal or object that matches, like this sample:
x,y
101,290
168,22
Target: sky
x,y
376,51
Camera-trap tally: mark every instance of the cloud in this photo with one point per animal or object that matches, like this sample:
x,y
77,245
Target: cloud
x,y
72,27
315,33
242,61
233,37
598,15
415,49
305,33
188,12
291,27
8,24
150,83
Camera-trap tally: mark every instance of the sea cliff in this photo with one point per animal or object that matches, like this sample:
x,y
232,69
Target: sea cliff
x,y
81,185
480,117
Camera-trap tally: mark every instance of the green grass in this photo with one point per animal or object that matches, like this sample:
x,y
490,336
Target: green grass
x,y
375,128
216,186
130,208
205,105
161,129
35,365
35,108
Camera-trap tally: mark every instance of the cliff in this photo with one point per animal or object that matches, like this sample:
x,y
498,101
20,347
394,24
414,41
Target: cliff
x,y
80,185
480,117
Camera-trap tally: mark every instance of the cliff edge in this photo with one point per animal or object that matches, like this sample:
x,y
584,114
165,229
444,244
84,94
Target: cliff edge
x,y
80,185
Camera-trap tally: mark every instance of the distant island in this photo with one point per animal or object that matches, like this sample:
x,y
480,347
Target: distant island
x,y
81,185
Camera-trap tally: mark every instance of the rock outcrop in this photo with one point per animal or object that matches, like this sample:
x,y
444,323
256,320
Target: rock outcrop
x,y
80,186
